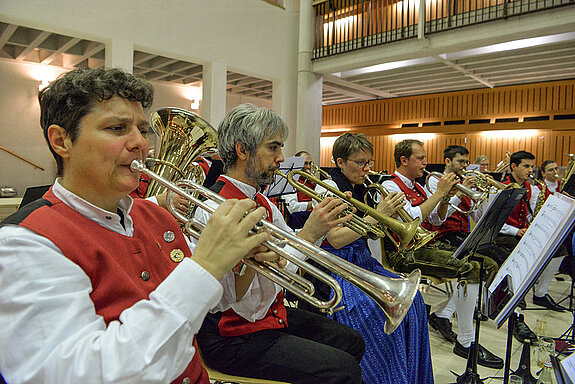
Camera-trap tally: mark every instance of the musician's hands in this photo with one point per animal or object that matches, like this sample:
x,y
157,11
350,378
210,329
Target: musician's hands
x,y
226,239
446,183
521,232
325,216
392,203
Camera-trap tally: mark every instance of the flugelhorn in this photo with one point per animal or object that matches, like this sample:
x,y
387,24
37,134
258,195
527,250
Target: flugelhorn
x,y
422,236
405,231
476,197
393,295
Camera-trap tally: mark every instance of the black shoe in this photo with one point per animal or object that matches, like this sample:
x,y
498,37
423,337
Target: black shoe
x,y
443,326
522,332
482,317
548,302
522,304
484,357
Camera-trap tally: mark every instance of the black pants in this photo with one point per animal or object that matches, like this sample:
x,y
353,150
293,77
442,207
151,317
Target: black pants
x,y
312,349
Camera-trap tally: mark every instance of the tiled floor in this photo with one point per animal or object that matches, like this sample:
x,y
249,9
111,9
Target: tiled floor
x,y
445,361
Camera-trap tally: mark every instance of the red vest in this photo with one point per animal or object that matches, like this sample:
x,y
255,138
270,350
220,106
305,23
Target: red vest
x,y
416,196
302,196
457,222
518,218
103,255
232,324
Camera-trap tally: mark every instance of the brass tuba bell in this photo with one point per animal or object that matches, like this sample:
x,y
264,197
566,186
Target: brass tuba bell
x,y
184,137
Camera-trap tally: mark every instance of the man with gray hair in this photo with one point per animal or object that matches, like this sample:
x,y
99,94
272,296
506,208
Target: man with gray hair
x,y
250,332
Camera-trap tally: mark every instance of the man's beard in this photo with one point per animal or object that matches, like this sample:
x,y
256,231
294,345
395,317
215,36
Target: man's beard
x,y
261,177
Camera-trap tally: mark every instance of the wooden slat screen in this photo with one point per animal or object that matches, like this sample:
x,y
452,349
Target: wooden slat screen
x,y
545,111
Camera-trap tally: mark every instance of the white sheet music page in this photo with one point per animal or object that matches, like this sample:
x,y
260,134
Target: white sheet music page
x,y
536,246
568,369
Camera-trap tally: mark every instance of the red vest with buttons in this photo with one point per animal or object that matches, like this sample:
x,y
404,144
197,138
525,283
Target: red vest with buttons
x,y
416,196
232,324
518,217
122,270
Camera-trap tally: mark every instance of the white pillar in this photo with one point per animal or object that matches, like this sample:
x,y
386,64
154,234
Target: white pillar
x,y
120,54
214,93
310,88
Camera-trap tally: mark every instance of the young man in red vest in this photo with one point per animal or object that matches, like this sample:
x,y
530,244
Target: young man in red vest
x,y
454,230
411,160
521,164
299,204
250,332
97,287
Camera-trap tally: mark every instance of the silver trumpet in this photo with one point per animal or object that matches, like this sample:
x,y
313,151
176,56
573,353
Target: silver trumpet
x,y
393,295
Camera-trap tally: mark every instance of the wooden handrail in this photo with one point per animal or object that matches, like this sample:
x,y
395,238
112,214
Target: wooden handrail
x,y
21,158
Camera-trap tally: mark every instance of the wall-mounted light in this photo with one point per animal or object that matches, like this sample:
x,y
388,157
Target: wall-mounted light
x,y
43,84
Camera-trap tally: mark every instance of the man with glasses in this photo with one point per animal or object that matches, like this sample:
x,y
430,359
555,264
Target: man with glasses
x,y
437,260
403,357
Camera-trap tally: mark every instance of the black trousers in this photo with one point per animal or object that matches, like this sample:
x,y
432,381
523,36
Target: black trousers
x,y
312,349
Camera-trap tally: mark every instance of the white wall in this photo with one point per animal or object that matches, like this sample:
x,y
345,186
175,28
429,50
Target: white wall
x,y
247,36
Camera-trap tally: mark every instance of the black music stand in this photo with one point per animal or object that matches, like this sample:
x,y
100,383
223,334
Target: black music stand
x,y
483,234
514,294
280,185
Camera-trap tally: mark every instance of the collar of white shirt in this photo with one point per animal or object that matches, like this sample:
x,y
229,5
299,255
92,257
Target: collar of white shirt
x,y
109,220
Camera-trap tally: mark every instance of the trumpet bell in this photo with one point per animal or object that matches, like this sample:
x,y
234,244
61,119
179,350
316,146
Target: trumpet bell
x,y
184,137
400,293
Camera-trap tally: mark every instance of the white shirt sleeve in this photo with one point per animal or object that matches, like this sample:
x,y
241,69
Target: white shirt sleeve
x,y
510,229
414,212
50,332
293,204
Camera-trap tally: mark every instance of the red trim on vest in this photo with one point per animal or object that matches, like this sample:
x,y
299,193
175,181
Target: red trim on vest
x,y
140,191
232,324
116,283
416,196
518,217
204,164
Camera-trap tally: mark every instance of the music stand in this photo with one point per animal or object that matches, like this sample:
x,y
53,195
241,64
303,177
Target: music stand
x,y
569,186
280,185
528,260
484,233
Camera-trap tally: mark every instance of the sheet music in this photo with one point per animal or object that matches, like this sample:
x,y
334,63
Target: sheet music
x,y
280,185
542,238
567,369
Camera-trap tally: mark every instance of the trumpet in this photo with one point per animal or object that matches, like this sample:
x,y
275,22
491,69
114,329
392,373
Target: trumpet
x,y
317,172
422,236
476,197
393,295
484,183
405,231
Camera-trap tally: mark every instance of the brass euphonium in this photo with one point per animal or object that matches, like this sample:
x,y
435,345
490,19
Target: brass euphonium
x,y
405,231
184,137
422,236
393,295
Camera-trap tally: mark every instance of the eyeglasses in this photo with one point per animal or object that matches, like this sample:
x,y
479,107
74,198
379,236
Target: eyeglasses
x,y
362,164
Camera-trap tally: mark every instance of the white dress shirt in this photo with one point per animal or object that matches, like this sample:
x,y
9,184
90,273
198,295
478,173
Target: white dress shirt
x,y
293,204
414,212
49,329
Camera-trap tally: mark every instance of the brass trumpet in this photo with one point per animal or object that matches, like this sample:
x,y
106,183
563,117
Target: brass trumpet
x,y
422,236
405,231
394,296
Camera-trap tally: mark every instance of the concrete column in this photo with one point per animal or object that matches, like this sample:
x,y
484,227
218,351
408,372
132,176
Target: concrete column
x,y
120,54
309,88
214,93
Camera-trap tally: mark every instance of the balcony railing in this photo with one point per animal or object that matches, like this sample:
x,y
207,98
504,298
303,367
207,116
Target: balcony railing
x,y
346,25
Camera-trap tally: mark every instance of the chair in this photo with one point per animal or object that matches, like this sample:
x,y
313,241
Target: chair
x,y
217,377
